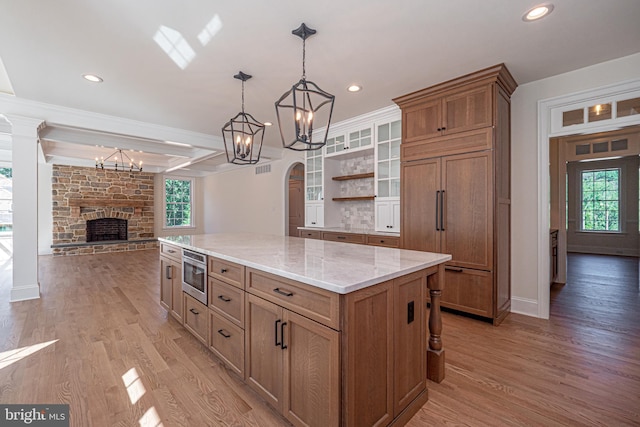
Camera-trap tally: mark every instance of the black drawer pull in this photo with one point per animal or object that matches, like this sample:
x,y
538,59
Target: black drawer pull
x,y
171,251
223,298
285,293
223,270
224,333
341,237
194,311
454,269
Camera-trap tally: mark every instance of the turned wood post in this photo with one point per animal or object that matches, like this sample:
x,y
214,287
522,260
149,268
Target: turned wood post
x,y
435,352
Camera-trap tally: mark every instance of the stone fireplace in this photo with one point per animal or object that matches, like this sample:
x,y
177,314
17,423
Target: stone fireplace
x,y
96,211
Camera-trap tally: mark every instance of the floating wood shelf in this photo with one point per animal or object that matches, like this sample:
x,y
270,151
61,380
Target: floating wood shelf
x,y
356,176
347,199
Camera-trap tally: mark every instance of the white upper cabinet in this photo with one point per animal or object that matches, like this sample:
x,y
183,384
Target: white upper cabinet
x,y
313,181
387,175
349,142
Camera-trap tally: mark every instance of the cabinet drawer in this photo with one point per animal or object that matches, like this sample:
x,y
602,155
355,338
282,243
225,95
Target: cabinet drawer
x,y
171,251
468,290
195,317
226,341
388,241
310,234
343,237
226,271
465,142
315,303
227,300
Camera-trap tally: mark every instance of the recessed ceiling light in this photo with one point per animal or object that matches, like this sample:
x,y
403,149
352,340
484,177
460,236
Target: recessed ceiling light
x,y
93,78
354,88
537,12
268,124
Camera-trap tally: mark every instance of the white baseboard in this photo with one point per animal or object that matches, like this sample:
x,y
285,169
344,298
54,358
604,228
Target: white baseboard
x,y
526,306
25,292
603,250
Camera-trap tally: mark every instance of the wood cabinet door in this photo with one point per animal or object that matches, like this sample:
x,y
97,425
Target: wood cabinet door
x,y
409,340
468,209
311,372
166,283
263,353
420,186
467,110
423,121
176,289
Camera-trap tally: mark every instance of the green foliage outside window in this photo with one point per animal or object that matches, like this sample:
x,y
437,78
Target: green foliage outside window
x,y
178,202
601,200
8,172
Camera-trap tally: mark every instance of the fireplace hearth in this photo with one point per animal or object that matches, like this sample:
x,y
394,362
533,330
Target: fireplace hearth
x,y
106,229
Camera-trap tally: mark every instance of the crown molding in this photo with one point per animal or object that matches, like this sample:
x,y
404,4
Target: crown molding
x,y
56,115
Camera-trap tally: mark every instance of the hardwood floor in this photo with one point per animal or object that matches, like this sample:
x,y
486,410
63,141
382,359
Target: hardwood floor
x,y
104,338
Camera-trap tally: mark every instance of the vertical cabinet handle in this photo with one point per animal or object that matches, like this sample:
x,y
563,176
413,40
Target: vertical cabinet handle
x,y
276,333
442,211
437,201
167,272
282,345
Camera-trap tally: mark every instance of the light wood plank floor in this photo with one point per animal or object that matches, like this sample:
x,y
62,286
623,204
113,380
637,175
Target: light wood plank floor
x,y
112,353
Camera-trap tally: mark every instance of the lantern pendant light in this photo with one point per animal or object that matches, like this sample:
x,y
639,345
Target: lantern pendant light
x,y
304,107
243,134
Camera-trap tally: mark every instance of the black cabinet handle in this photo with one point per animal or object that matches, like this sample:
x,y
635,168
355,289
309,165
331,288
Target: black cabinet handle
x,y
285,293
342,237
444,128
223,298
437,201
224,333
171,251
276,332
442,211
282,344
223,270
167,272
194,311
439,129
453,269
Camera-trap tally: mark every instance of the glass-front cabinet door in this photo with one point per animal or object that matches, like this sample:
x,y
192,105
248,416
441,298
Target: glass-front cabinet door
x,y
388,159
335,144
313,176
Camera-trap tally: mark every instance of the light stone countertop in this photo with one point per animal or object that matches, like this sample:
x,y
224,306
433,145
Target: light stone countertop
x,y
334,266
352,231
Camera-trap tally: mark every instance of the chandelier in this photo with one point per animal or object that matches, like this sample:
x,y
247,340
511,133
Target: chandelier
x,y
118,162
243,135
300,109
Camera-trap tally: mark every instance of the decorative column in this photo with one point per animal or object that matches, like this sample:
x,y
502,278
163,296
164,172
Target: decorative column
x,y
24,135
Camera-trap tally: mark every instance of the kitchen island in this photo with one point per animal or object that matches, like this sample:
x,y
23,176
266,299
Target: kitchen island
x,y
328,333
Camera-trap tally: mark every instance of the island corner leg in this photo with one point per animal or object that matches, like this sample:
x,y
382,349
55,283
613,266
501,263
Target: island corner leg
x,y
435,350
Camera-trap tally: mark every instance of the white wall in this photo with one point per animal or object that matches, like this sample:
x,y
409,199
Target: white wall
x,y
525,190
238,200
45,209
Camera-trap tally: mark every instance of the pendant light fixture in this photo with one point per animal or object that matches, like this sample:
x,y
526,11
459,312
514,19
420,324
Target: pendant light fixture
x,y
119,164
243,134
304,107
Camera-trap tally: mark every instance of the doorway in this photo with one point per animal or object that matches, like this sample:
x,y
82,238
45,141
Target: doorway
x,y
296,199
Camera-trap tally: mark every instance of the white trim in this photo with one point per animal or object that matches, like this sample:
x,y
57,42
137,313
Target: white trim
x,y
193,225
389,113
25,292
526,306
545,111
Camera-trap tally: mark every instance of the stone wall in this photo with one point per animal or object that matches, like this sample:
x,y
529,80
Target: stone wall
x,y
80,194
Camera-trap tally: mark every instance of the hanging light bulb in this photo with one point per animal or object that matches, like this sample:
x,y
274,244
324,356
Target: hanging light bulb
x,y
244,134
303,102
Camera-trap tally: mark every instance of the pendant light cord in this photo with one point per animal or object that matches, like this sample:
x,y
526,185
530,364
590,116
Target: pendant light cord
x,y
304,54
243,96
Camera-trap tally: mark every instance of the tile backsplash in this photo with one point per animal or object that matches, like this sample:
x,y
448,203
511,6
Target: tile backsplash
x,y
357,214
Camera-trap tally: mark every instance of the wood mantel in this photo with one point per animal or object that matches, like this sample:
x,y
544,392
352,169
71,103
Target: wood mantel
x,y
76,204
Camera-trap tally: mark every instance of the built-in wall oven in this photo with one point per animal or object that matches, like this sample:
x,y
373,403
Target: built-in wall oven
x,y
194,275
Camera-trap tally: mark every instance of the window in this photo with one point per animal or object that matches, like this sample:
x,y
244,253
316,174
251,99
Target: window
x,y
178,202
600,200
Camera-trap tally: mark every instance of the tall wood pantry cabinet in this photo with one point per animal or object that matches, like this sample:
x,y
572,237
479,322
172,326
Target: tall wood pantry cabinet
x,y
455,185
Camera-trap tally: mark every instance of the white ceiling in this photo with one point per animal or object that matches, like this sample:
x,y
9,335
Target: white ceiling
x,y
389,47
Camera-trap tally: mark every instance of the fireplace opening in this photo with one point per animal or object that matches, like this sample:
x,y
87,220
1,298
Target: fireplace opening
x,y
99,230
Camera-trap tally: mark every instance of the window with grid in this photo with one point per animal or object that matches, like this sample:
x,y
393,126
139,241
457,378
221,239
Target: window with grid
x,y
178,202
601,200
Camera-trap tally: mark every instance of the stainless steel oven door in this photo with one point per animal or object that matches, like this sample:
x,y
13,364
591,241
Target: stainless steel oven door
x,y
194,275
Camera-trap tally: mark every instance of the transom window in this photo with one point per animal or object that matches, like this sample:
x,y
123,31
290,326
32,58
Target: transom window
x,y
601,200
178,202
